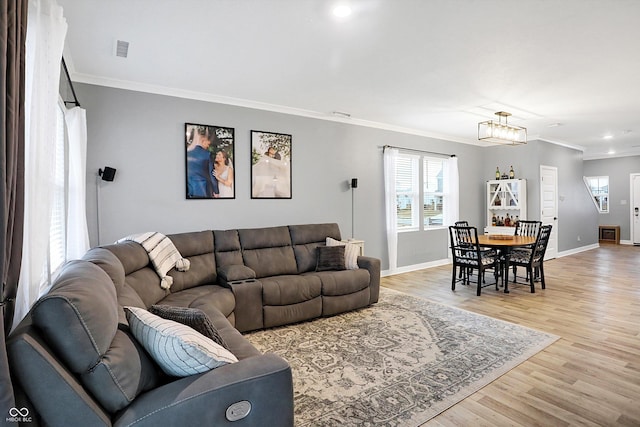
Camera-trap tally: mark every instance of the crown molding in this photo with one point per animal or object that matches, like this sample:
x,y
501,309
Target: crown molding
x,y
238,102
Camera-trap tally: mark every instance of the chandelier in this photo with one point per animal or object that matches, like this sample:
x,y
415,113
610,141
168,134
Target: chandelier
x,y
501,133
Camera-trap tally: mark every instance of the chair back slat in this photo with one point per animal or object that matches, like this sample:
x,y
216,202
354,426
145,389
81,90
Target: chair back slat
x,y
541,243
528,228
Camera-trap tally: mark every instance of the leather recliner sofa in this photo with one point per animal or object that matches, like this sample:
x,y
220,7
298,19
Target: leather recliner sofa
x,y
78,363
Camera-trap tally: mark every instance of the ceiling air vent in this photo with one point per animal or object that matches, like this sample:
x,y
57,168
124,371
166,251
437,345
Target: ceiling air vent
x,y
122,48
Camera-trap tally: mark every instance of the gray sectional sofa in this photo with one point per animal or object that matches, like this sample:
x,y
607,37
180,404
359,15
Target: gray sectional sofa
x,y
76,360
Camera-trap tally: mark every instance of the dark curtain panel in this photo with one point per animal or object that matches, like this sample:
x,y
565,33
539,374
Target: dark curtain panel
x,y
13,31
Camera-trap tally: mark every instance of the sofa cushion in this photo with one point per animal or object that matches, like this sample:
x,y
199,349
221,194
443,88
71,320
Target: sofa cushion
x,y
330,258
197,247
227,247
271,261
178,349
268,251
78,318
131,254
344,282
192,317
310,233
305,238
205,298
307,256
106,260
286,290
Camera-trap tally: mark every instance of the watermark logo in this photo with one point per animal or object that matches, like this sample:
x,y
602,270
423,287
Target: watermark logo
x,y
19,415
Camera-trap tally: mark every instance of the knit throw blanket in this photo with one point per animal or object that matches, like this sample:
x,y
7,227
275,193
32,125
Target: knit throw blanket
x,y
162,253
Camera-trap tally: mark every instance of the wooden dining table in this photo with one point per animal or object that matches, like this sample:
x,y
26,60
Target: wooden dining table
x,y
504,244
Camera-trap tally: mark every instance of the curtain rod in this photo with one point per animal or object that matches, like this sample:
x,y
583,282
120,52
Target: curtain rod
x,y
73,91
384,147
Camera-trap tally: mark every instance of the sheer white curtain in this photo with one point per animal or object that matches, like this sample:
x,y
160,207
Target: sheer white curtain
x,y
451,190
46,30
391,205
77,230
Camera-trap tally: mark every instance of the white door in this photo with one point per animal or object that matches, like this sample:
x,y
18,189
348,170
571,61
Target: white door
x,y
635,208
549,206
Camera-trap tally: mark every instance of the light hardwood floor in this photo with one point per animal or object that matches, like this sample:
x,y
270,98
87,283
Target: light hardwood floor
x,y
590,376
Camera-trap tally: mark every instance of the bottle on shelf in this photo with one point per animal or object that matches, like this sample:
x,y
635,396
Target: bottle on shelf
x,y
507,221
497,172
512,174
493,220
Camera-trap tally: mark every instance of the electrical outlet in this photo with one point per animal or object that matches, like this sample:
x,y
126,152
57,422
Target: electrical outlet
x,y
579,238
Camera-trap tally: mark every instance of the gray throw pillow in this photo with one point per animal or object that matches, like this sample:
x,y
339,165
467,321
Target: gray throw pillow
x,y
330,258
192,317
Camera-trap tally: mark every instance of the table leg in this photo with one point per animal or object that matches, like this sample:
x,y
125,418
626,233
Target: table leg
x,y
507,255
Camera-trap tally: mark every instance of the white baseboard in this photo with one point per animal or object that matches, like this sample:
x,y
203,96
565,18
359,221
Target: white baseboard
x,y
578,250
438,263
414,267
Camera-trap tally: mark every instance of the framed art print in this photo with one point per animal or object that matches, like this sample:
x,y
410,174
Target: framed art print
x,y
209,162
270,165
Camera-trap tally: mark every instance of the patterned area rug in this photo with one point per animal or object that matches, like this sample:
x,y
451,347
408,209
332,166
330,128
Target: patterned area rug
x,y
399,362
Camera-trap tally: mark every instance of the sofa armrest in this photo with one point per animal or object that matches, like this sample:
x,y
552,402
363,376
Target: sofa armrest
x,y
198,400
373,265
248,311
49,385
233,273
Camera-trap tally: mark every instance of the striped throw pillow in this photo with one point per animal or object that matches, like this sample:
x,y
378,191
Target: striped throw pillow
x,y
178,349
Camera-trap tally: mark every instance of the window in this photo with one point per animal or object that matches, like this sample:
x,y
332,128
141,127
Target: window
x,y
598,186
57,228
408,192
419,178
432,184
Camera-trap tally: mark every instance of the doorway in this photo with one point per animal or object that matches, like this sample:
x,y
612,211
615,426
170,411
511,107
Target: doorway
x,y
635,208
549,206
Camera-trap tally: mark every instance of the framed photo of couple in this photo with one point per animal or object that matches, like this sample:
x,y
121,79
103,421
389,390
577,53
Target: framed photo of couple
x,y
270,165
210,154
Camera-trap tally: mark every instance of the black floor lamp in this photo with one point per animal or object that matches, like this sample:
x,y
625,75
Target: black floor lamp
x,y
106,174
354,184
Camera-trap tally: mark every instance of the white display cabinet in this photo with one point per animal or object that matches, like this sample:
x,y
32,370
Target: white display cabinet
x,y
506,198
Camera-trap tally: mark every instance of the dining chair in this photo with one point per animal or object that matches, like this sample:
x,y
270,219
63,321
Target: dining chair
x,y
467,256
526,228
534,261
463,272
468,272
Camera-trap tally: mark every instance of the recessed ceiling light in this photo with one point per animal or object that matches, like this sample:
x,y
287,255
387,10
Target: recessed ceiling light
x,y
607,137
342,11
554,125
611,152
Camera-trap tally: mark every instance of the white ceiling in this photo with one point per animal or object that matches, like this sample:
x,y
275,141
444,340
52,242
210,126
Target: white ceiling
x,y
568,70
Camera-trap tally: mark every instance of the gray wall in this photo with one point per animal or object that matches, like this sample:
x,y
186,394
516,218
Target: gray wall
x,y
142,136
618,170
576,217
